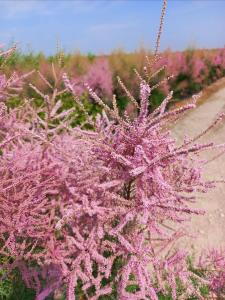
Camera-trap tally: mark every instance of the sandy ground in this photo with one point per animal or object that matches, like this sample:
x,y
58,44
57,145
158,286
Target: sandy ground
x,y
209,230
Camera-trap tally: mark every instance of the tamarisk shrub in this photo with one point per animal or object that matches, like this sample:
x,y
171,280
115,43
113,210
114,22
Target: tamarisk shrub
x,y
99,78
9,87
212,262
73,201
158,181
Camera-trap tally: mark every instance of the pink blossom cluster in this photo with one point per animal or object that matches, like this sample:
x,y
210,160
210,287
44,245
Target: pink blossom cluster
x,y
213,263
9,87
219,58
99,78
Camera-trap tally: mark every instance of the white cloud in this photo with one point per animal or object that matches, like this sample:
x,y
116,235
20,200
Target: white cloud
x,y
15,8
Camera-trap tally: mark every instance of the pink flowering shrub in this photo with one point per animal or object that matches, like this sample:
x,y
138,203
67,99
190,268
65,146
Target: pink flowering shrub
x,y
99,78
213,264
84,197
9,87
199,70
75,201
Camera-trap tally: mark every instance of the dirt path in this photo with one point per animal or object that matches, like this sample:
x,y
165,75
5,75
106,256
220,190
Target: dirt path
x,y
208,230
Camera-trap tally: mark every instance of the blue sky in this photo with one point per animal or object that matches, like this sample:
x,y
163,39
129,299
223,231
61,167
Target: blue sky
x,y
99,26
